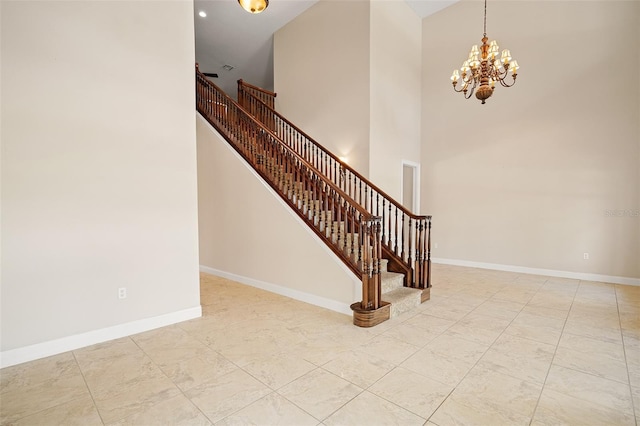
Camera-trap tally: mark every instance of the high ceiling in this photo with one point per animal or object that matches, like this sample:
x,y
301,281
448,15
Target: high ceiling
x,y
229,36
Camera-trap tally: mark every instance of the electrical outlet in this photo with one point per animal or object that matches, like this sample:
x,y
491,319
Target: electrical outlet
x,y
435,245
122,293
586,256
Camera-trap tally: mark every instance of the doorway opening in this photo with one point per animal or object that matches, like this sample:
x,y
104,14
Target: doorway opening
x,y
410,186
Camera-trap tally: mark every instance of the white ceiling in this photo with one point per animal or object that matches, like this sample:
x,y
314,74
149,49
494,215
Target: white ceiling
x,y
228,35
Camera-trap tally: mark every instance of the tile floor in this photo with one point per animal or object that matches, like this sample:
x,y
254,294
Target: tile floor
x,y
489,348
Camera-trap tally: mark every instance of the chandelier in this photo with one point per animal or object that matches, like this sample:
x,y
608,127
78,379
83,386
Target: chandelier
x,y
485,67
254,6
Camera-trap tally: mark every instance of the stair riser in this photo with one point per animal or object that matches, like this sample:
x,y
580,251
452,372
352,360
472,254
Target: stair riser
x,y
391,283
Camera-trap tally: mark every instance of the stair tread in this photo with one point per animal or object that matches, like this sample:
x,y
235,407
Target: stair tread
x,y
400,293
387,274
402,299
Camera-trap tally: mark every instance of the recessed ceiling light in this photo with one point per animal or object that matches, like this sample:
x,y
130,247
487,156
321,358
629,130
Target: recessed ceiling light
x,y
227,67
202,14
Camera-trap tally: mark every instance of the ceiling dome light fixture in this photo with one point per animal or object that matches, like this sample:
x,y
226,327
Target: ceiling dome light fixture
x,y
254,6
483,68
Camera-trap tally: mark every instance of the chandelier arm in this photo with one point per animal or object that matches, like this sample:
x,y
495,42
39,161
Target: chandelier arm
x,y
473,89
501,74
458,90
505,84
470,93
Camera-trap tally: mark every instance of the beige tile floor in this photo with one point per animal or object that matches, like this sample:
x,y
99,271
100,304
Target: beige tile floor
x,y
489,348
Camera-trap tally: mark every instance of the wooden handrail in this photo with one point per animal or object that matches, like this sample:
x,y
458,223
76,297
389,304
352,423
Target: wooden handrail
x,y
337,159
259,89
402,231
350,230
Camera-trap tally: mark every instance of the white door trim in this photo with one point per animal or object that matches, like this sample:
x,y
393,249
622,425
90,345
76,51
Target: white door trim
x,y
416,184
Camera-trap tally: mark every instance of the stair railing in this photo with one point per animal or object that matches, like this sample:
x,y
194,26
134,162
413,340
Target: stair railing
x,y
246,89
247,92
351,232
406,238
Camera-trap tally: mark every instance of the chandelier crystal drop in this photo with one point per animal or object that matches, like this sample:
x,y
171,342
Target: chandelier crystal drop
x,y
484,68
254,6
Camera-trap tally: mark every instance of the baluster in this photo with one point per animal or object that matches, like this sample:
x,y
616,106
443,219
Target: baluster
x,y
335,174
384,236
295,196
339,221
334,216
349,188
303,192
304,205
395,248
410,249
366,197
345,230
325,214
402,254
315,213
352,255
295,138
292,178
360,236
418,250
312,156
389,227
325,169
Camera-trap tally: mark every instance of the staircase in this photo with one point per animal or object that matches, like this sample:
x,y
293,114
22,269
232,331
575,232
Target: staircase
x,y
382,243
400,298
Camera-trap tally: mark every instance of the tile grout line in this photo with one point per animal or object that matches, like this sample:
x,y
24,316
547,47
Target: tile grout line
x,y
544,383
488,348
626,362
84,379
170,379
62,403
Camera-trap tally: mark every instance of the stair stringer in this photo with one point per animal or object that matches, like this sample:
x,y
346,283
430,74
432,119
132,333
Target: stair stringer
x,y
251,235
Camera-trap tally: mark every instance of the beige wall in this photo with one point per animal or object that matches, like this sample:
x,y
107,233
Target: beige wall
x,y
321,75
246,230
395,95
348,74
98,166
528,178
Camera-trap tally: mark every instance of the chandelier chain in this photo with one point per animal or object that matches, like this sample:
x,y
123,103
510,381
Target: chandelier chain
x,y
485,18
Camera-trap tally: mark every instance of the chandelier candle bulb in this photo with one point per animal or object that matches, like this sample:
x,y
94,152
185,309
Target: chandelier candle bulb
x,y
506,56
483,69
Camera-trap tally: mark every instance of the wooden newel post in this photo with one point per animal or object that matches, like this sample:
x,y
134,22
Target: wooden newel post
x,y
372,310
429,253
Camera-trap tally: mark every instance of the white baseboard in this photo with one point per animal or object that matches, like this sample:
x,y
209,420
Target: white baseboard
x,y
312,299
69,343
535,271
